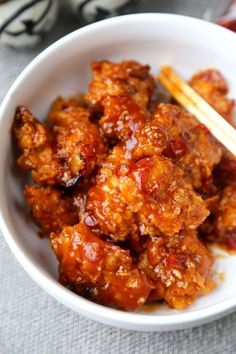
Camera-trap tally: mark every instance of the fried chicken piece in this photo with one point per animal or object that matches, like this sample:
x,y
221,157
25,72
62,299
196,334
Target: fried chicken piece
x,y
127,121
29,133
79,144
147,141
122,116
212,86
51,209
150,195
169,202
225,219
189,144
99,270
80,148
171,131
107,206
35,141
72,149
64,112
180,268
127,78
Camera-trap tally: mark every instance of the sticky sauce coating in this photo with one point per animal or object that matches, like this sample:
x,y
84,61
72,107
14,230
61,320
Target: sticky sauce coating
x,y
130,187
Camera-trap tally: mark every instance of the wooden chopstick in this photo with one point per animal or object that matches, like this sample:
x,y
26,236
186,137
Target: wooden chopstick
x,y
195,104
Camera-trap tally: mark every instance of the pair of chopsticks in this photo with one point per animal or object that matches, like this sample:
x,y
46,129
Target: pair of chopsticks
x,y
195,104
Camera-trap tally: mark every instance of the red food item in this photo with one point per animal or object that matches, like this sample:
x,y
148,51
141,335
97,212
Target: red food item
x,y
180,268
126,182
51,209
127,78
176,149
212,86
188,144
122,116
73,148
99,270
151,197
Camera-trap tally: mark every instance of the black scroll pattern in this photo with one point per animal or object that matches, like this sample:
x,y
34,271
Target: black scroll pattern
x,y
29,25
102,12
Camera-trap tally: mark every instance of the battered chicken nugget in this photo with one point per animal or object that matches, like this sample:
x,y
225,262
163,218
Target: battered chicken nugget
x,y
190,145
79,144
51,209
80,148
150,195
211,85
99,270
127,121
60,157
107,207
29,133
64,112
225,219
122,116
169,202
147,141
180,268
127,78
35,141
171,131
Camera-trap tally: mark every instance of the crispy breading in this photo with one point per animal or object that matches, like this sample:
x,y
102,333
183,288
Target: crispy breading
x,y
171,131
150,195
212,86
36,143
189,145
179,266
72,149
128,78
122,116
51,208
99,270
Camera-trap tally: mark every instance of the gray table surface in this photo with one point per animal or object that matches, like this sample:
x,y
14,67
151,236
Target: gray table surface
x,y
32,322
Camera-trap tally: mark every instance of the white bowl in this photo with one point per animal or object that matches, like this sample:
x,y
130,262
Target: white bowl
x,y
64,68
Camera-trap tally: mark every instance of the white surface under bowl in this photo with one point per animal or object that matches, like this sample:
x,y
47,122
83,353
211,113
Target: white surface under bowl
x,y
187,44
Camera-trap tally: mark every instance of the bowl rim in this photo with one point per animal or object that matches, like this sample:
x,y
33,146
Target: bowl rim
x,y
75,302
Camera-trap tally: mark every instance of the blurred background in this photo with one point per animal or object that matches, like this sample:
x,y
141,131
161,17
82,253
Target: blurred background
x,y
29,26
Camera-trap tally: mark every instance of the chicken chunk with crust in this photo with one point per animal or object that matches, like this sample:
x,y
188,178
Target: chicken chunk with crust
x,y
80,147
189,144
128,78
51,209
171,131
212,86
122,116
64,112
72,149
150,196
180,268
37,146
99,270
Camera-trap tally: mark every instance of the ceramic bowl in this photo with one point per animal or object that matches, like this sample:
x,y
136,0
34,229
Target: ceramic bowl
x,y
64,68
